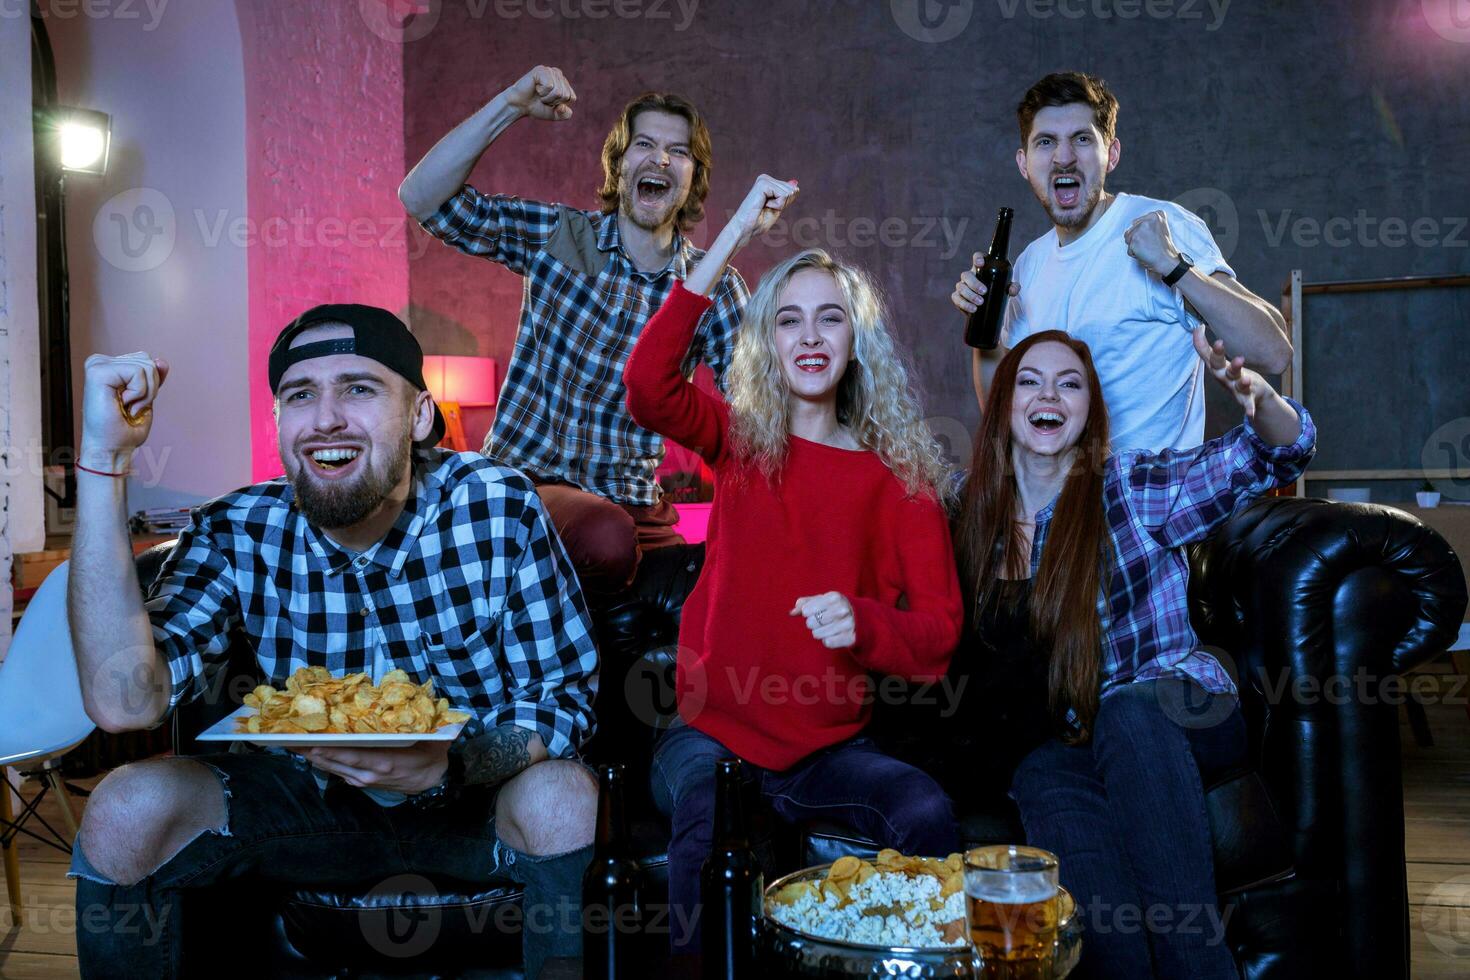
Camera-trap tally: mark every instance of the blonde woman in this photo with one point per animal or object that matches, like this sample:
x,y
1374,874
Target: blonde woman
x,y
828,559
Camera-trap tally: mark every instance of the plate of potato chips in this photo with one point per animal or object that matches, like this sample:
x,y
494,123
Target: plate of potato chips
x,y
317,707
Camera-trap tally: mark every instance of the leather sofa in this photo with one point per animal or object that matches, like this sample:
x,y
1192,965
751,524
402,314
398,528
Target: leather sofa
x,y
1316,607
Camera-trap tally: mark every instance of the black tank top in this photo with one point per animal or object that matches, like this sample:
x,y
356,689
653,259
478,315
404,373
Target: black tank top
x,y
1003,713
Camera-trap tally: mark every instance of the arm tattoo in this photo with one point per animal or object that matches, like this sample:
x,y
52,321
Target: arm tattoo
x,y
496,755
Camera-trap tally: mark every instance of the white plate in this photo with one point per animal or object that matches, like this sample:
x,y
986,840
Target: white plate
x,y
224,731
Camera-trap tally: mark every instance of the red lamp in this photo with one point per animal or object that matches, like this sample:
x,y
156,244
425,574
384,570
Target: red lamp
x,y
457,383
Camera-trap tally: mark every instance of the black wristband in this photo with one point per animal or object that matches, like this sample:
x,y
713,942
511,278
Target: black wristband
x,y
1185,264
447,790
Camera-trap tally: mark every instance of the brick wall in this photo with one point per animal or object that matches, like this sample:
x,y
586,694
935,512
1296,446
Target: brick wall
x,y
902,135
21,501
324,146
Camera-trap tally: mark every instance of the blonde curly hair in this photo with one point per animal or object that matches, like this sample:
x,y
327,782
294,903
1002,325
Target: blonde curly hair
x,y
874,398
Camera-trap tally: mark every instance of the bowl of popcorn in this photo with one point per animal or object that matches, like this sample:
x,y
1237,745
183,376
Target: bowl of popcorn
x,y
892,916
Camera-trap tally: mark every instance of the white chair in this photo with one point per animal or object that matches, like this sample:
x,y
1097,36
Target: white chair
x,y
41,719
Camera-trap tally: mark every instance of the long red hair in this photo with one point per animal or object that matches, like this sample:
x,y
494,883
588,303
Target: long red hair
x,y
989,545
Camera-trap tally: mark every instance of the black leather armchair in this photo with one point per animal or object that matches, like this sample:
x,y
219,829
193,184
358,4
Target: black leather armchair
x,y
1315,605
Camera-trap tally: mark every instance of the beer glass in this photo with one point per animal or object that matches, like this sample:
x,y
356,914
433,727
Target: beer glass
x,y
1011,908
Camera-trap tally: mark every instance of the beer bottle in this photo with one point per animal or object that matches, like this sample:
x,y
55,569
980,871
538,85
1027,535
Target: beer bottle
x,y
982,330
731,885
610,908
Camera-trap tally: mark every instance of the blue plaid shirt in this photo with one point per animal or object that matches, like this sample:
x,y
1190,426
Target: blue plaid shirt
x,y
469,588
562,413
1155,504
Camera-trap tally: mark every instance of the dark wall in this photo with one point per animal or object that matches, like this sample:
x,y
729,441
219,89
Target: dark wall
x,y
1324,136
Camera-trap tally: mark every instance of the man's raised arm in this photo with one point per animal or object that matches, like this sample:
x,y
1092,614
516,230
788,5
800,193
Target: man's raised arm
x,y
124,680
542,93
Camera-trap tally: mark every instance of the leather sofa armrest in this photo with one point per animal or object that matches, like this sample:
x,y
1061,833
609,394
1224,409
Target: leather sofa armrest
x,y
1271,581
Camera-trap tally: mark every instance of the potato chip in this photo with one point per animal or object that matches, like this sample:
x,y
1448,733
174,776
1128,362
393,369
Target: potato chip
x,y
792,893
305,704
313,700
313,723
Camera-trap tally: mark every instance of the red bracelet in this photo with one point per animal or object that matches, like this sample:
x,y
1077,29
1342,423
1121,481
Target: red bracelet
x,y
88,469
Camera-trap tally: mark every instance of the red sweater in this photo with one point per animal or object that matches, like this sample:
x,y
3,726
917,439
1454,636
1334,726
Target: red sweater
x,y
750,674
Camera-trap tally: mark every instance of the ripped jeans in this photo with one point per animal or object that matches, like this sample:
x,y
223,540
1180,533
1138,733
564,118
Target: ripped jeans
x,y
282,830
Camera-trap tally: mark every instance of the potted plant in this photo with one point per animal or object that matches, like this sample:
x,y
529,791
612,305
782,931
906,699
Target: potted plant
x,y
1427,496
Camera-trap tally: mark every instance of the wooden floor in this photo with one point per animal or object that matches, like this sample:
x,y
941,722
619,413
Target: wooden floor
x,y
1436,812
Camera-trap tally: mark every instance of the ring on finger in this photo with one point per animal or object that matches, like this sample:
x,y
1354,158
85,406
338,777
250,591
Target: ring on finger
x,y
820,613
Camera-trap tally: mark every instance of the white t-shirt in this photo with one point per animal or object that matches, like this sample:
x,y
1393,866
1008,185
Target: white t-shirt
x,y
1138,328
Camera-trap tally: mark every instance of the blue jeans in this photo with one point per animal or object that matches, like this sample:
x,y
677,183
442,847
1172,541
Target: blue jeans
x,y
851,783
282,830
1125,815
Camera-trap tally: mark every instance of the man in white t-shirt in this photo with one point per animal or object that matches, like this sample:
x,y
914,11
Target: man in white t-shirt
x,y
1130,275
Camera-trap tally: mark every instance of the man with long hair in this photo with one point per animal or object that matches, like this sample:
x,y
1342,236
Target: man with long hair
x,y
593,278
376,553
1129,275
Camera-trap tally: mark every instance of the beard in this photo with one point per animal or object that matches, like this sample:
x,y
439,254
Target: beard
x,y
649,219
345,503
1076,218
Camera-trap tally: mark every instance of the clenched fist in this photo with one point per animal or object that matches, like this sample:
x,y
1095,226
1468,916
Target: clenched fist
x,y
117,406
543,93
1151,245
763,204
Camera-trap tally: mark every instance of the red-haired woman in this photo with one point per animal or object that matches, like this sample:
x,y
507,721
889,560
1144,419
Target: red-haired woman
x,y
1073,562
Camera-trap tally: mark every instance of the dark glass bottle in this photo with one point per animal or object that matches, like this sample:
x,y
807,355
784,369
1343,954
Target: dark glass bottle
x,y
982,330
731,885
611,915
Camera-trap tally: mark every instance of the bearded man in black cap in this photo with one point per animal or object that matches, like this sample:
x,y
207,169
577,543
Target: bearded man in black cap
x,y
375,552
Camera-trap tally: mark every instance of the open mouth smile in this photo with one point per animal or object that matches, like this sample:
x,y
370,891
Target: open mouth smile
x,y
335,461
1046,420
653,189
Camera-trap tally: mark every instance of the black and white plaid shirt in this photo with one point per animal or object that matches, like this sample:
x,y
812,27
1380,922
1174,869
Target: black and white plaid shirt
x,y
561,414
470,587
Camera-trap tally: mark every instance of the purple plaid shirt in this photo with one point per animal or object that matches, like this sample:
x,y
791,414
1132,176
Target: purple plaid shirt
x,y
1156,503
561,414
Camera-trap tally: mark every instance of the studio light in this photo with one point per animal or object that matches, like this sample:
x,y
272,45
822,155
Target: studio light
x,y
83,139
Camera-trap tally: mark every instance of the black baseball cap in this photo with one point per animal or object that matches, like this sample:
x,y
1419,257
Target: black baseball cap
x,y
376,334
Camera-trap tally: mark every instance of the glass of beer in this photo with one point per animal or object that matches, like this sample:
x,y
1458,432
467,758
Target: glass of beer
x,y
1011,907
